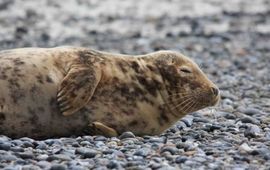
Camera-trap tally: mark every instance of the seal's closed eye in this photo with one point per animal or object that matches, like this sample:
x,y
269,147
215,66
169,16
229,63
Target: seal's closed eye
x,y
185,70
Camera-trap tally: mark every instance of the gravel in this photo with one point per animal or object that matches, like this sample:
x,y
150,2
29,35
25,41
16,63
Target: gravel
x,y
228,39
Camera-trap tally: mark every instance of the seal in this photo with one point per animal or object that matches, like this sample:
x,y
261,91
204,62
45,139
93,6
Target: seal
x,y
64,91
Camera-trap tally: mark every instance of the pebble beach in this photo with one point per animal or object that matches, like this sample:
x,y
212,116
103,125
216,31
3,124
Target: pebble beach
x,y
230,40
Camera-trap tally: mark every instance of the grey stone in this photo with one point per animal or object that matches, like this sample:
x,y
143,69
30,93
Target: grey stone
x,y
42,157
86,152
126,135
44,164
252,111
25,155
143,152
181,159
100,138
76,167
17,149
4,139
248,119
27,144
41,146
5,146
7,157
61,157
58,167
113,164
85,143
252,131
173,150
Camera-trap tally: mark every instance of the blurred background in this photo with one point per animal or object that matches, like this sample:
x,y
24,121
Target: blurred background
x,y
229,39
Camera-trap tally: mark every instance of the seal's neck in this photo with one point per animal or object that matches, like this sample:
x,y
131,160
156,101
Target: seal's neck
x,y
166,115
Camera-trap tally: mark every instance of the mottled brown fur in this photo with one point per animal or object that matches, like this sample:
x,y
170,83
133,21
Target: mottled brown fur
x,y
65,91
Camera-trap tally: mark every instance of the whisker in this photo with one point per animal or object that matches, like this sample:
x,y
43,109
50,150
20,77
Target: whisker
x,y
174,94
196,104
178,99
183,102
201,90
188,94
192,105
186,106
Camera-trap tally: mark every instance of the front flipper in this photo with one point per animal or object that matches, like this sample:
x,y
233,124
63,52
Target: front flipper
x,y
98,128
77,88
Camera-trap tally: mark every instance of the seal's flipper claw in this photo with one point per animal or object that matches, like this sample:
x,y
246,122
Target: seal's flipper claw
x,y
77,88
98,128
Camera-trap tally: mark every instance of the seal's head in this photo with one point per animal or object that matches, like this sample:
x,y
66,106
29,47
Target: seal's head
x,y
187,88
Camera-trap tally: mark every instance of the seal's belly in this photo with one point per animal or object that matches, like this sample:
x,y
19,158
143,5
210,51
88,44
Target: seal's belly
x,y
28,89
124,111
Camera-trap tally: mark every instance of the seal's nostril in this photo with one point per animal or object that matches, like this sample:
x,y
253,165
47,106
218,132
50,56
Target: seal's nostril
x,y
215,91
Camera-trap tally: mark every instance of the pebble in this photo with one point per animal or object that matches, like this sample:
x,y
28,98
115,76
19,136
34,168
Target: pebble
x,y
143,152
181,125
85,143
7,158
172,149
180,159
245,147
76,167
42,157
126,135
188,120
252,111
58,167
25,155
252,131
27,144
100,138
248,119
41,146
4,139
211,127
113,164
60,157
17,149
198,119
86,152
230,116
5,146
156,140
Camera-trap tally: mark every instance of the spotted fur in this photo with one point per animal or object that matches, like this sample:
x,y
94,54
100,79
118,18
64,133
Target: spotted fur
x,y
61,91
